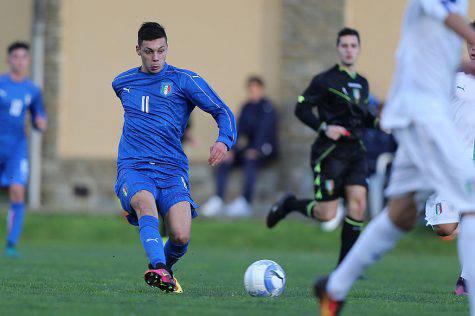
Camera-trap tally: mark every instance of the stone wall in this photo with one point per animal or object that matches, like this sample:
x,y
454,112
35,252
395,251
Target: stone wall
x,y
309,29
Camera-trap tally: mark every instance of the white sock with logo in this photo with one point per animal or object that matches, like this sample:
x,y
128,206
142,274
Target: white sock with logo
x,y
377,238
466,247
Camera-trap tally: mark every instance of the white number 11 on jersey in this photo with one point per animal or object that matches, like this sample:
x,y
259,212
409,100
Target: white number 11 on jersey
x,y
145,107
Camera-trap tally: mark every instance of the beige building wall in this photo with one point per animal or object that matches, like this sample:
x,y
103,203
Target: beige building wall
x,y
379,25
15,24
224,41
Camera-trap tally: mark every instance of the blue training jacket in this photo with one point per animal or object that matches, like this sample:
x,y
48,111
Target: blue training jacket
x,y
156,110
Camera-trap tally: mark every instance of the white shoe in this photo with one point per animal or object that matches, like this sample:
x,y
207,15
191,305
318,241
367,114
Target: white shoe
x,y
240,207
213,207
336,221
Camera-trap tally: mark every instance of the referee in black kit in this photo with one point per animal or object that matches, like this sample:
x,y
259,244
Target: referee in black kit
x,y
338,155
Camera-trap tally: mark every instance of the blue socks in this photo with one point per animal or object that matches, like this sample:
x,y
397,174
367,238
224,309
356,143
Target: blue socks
x,y
15,223
173,252
151,240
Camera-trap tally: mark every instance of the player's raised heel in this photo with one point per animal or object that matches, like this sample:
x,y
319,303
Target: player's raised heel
x,y
160,278
277,211
328,306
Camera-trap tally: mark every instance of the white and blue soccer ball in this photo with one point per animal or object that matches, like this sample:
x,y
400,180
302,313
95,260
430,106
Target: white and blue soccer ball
x,y
264,278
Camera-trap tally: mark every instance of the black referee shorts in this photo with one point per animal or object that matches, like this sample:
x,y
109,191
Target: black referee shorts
x,y
336,166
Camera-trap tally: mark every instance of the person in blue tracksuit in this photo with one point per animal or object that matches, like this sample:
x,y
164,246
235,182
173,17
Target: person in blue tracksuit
x,y
256,147
18,95
152,168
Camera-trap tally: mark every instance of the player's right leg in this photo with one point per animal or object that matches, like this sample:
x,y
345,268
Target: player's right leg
x,y
380,235
386,229
16,216
15,176
328,169
320,211
143,202
137,194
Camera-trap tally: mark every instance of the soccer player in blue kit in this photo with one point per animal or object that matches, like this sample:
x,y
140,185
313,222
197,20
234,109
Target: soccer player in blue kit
x,y
18,95
152,169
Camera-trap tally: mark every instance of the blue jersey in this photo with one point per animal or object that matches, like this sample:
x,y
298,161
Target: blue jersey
x,y
156,110
16,98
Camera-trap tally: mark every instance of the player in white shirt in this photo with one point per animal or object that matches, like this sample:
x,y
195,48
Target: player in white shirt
x,y
430,154
441,214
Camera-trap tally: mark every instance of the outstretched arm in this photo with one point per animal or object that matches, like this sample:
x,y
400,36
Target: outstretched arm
x,y
201,95
445,11
458,24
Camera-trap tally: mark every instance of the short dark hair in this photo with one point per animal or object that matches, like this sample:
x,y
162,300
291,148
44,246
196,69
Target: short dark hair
x,y
347,31
17,45
255,79
151,31
473,24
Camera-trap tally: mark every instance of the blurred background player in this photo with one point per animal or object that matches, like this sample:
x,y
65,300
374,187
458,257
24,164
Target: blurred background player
x,y
441,214
152,168
338,156
18,95
430,153
256,147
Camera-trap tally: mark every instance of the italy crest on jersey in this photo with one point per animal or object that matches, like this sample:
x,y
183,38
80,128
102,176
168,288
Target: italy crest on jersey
x,y
166,89
438,208
356,94
330,186
356,90
124,190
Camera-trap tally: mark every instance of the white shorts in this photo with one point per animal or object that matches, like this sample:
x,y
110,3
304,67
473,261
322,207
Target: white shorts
x,y
431,157
440,211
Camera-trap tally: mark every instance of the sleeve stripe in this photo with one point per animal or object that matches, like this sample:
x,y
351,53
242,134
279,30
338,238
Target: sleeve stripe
x,y
120,77
233,128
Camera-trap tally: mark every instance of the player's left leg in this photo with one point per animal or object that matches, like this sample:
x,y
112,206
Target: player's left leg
x,y
466,248
353,222
178,222
178,209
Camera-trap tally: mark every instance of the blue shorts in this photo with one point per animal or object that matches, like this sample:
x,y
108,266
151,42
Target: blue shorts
x,y
166,192
14,167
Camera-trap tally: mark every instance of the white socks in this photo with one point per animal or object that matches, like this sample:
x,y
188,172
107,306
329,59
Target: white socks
x,y
377,238
466,247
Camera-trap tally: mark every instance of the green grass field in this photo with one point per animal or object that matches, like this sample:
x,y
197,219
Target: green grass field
x,y
93,265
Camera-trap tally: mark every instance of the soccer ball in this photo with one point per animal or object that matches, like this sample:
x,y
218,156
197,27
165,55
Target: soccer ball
x,y
264,278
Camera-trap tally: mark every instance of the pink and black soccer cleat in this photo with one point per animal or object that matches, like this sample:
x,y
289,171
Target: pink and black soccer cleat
x,y
461,287
161,278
